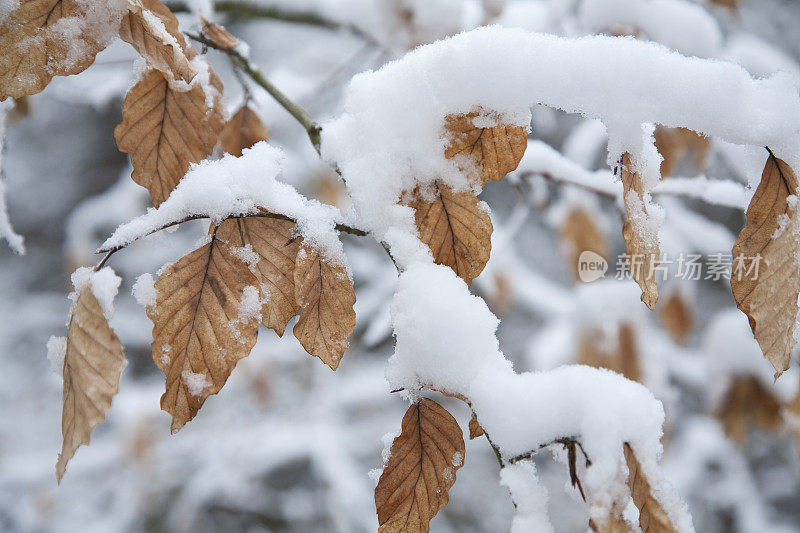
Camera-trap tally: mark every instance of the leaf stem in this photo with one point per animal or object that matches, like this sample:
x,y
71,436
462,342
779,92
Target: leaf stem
x,y
240,62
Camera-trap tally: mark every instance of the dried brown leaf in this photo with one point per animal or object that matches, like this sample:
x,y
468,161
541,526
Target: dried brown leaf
x,y
456,229
243,130
152,29
614,523
579,234
768,292
642,248
325,295
678,317
675,144
219,35
652,517
272,240
38,41
475,429
619,354
748,404
421,469
92,367
164,130
198,333
495,151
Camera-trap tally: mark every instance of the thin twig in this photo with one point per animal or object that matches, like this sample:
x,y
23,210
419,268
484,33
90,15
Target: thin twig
x,y
312,128
247,10
111,251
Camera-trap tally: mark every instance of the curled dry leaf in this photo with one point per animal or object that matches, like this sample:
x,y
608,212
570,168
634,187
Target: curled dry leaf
x,y
475,429
619,354
456,229
325,295
766,278
219,35
652,517
164,130
93,364
243,130
747,404
152,29
614,523
579,234
678,317
45,38
200,327
640,242
674,144
494,148
272,240
422,467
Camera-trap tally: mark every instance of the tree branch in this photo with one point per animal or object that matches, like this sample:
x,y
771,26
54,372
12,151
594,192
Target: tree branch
x,y
246,10
240,62
111,251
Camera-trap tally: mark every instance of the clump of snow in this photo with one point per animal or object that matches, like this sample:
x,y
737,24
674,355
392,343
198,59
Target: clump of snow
x,y
95,23
446,340
247,255
195,383
56,352
144,290
104,285
678,24
165,349
530,498
238,186
390,137
6,7
249,310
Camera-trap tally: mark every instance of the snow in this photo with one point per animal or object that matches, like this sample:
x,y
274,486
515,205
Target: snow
x,y
56,352
446,341
144,290
529,497
250,305
195,383
104,285
732,352
6,7
97,22
14,240
678,24
541,158
238,186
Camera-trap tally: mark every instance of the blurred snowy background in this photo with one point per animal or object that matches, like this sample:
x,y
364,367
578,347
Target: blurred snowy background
x,y
288,445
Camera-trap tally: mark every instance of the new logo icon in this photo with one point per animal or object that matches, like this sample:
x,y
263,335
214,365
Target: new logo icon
x,y
591,266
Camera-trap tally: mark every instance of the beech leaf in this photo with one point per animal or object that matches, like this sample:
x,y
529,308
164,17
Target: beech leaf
x,y
475,429
678,318
243,130
456,229
652,517
748,404
641,246
152,29
421,469
495,148
45,38
93,364
219,35
765,277
579,234
325,295
271,239
201,328
164,130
